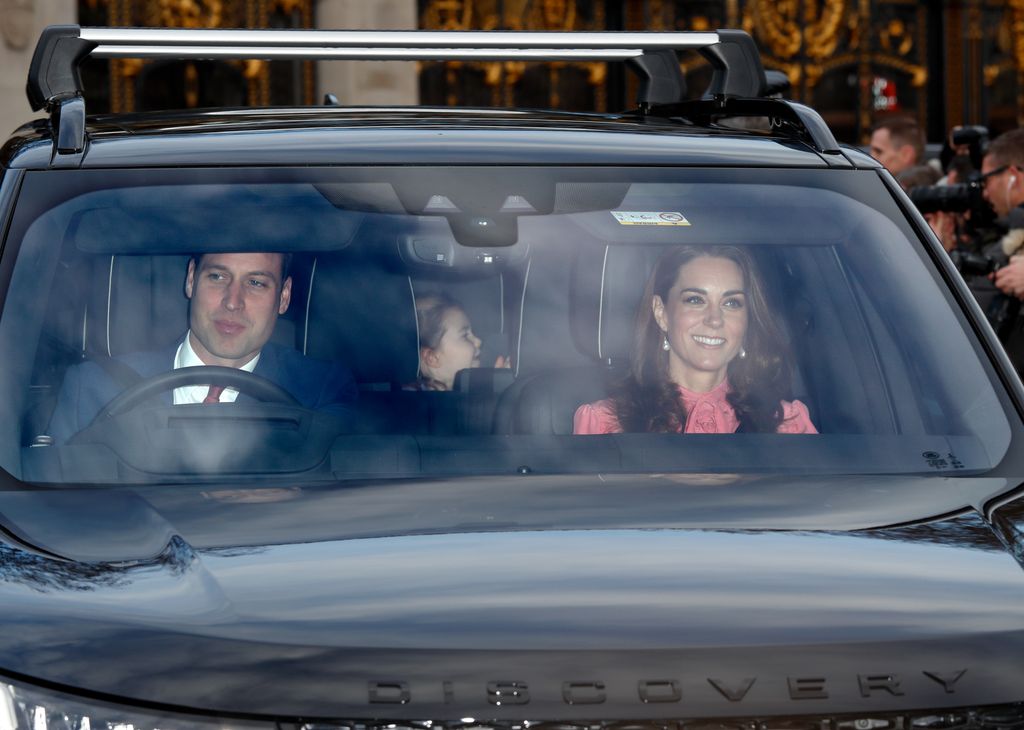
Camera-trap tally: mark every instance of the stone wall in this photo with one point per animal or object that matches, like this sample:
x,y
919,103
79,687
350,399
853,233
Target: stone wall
x,y
374,83
20,24
353,82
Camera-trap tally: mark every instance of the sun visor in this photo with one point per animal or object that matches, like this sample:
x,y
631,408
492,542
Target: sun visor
x,y
184,219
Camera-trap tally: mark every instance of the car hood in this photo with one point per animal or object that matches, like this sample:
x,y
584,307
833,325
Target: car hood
x,y
553,623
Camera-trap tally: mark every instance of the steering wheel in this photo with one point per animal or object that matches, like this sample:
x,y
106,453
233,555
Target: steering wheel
x,y
241,380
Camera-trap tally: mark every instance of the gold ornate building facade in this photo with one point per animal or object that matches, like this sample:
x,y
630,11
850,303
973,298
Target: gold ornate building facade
x,y
945,62
137,85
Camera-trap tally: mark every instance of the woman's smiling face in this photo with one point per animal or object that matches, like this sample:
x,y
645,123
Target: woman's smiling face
x,y
704,318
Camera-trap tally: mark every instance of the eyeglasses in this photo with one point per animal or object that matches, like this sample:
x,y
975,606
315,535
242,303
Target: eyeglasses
x,y
983,179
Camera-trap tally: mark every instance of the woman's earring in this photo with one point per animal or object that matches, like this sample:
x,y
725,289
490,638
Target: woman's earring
x,y
743,353
664,343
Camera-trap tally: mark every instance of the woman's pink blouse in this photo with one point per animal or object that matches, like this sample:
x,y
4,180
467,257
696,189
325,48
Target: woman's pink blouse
x,y
706,413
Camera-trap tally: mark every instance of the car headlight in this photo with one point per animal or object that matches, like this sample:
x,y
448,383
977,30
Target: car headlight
x,y
24,707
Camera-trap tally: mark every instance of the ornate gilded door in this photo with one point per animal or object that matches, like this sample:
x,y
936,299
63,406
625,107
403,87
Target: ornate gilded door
x,y
944,63
992,44
579,86
139,85
853,60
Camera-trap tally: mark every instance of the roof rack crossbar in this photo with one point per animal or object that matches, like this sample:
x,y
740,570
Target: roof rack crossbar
x,y
398,38
370,54
61,49
54,75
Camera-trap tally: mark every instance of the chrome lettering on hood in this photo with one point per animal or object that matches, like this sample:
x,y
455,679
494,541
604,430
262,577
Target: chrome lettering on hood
x,y
656,691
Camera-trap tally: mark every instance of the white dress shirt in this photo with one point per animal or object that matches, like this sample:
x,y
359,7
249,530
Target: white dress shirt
x,y
187,357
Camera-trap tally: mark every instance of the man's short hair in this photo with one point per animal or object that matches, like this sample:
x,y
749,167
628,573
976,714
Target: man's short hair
x,y
918,175
286,262
904,131
1008,149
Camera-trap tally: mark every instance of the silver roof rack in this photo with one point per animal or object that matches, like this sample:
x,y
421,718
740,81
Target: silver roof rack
x,y
309,43
54,80
54,75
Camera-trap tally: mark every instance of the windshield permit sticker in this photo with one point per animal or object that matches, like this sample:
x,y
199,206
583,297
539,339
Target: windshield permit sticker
x,y
649,218
937,460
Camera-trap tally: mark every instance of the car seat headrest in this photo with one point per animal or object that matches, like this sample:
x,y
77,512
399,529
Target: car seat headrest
x,y
605,292
362,315
137,305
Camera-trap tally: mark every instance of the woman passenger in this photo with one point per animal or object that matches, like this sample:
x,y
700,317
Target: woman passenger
x,y
707,356
447,343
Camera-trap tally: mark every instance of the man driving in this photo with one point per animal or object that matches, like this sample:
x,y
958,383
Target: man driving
x,y
234,302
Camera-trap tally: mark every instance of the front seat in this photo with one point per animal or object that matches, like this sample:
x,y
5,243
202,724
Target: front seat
x,y
362,314
603,289
605,292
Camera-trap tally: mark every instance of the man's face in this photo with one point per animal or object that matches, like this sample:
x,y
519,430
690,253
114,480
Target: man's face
x,y
1001,187
236,299
896,158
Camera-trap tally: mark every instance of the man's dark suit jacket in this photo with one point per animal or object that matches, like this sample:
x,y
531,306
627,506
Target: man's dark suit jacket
x,y
88,387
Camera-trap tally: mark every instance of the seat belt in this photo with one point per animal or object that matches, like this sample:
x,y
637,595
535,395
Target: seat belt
x,y
122,374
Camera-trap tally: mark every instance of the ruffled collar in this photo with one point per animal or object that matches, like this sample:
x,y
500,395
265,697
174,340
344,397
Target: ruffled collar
x,y
709,412
717,393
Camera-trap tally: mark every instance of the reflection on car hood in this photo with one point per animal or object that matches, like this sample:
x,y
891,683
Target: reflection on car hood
x,y
650,622
119,525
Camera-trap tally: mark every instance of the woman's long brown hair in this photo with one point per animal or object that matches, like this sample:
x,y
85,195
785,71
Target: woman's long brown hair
x,y
648,401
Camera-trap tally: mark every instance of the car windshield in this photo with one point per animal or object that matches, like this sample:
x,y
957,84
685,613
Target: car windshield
x,y
422,322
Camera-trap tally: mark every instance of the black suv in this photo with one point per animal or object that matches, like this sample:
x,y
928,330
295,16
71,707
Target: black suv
x,y
333,418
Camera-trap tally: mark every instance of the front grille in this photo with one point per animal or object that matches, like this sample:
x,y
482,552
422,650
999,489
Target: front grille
x,y
1001,717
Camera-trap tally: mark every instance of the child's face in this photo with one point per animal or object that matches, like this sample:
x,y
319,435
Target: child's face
x,y
459,347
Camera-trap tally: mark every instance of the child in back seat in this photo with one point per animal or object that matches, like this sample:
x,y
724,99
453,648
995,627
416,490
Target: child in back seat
x,y
447,343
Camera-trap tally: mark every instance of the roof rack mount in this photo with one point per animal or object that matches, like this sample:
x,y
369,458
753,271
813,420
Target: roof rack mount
x,y
54,77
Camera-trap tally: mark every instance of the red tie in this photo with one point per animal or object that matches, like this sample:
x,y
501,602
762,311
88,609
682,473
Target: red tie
x,y
213,395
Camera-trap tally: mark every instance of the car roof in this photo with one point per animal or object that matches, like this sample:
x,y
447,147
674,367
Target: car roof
x,y
418,135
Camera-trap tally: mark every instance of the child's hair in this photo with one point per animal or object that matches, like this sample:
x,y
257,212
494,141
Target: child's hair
x,y
430,311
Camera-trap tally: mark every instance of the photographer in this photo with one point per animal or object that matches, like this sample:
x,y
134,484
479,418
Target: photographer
x,y
958,212
898,143
944,224
1003,187
979,218
957,230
